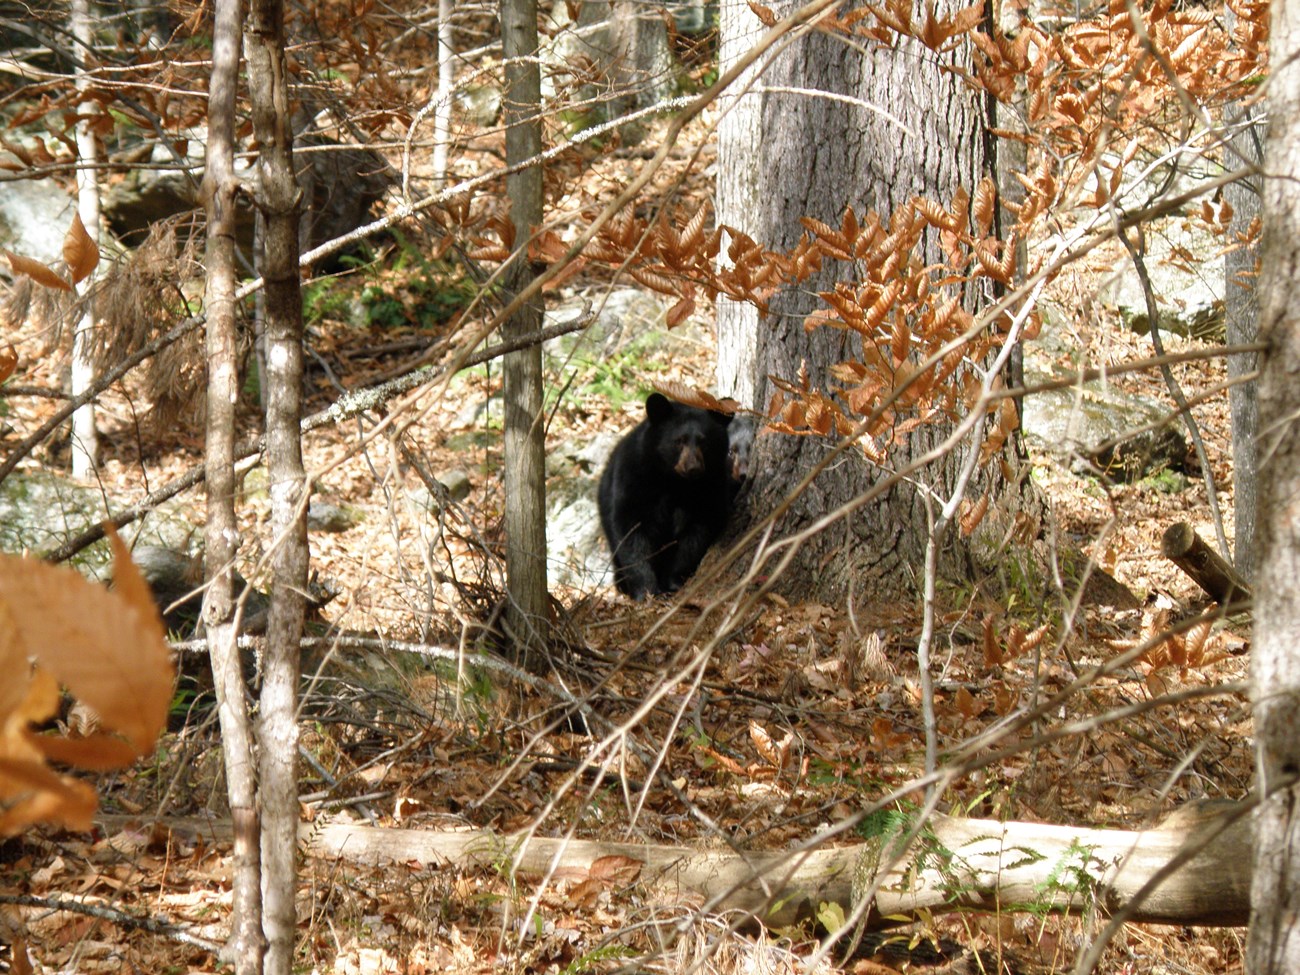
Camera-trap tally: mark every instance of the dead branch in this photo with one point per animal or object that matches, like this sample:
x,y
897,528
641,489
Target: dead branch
x,y
955,864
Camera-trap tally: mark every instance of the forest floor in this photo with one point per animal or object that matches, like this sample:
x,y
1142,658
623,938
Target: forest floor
x,y
391,744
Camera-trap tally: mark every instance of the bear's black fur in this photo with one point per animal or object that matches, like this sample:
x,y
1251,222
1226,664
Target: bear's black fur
x,y
665,496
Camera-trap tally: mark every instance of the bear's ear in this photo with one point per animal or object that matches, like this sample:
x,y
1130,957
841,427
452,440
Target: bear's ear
x,y
723,419
658,407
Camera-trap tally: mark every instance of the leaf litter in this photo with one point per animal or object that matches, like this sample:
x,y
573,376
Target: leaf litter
x,y
790,726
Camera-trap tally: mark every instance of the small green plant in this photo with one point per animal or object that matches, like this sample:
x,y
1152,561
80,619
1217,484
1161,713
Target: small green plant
x,y
382,309
593,958
1069,878
824,773
323,298
885,822
618,378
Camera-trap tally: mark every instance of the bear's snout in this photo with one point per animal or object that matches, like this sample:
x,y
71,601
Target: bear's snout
x,y
690,463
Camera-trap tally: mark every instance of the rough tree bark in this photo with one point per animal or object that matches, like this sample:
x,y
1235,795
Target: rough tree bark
x,y
1274,944
278,199
784,153
628,41
220,188
525,459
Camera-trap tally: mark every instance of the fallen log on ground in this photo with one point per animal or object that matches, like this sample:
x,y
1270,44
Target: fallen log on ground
x,y
953,864
1203,565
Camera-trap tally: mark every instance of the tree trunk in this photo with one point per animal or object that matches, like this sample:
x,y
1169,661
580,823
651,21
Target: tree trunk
x,y
785,153
446,90
1274,943
627,43
85,440
220,188
277,198
525,445
1241,307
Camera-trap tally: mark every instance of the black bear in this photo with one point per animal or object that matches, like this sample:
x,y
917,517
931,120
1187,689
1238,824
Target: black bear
x,y
740,441
665,496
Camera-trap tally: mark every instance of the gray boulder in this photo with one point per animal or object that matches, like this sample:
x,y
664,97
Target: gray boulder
x,y
34,217
1186,280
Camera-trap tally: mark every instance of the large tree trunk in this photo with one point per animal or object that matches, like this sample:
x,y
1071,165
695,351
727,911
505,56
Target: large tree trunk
x,y
1274,945
277,198
785,153
628,42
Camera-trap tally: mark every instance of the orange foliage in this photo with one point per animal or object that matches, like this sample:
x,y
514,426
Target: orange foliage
x,y
108,648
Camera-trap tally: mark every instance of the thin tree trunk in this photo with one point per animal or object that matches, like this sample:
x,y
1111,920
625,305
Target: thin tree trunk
x,y
1241,307
220,187
278,201
1273,947
85,439
446,83
525,445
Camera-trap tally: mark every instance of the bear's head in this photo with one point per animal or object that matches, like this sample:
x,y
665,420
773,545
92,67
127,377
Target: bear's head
x,y
690,442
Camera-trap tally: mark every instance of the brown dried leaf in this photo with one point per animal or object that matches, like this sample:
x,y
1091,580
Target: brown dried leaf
x,y
764,14
34,794
973,514
493,252
615,870
107,647
21,152
820,416
884,736
900,342
585,894
692,234
80,252
8,363
984,206
681,311
1176,647
1035,637
992,649
966,704
654,280
1196,641
688,395
37,271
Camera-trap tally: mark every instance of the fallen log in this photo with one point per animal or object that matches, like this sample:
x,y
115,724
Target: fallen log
x,y
1203,565
954,864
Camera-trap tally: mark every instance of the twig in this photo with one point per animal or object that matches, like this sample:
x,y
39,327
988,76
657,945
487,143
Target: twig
x,y
1176,391
486,661
39,391
167,929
